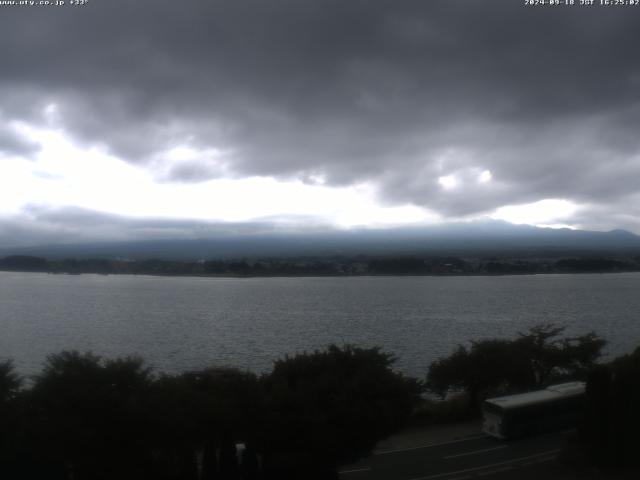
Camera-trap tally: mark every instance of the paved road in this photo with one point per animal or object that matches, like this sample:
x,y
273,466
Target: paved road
x,y
475,456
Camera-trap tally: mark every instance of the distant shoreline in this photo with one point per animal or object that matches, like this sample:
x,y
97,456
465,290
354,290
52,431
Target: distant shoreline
x,y
370,275
341,266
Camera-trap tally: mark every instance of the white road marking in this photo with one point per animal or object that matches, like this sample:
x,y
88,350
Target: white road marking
x,y
355,470
475,452
496,470
491,465
474,437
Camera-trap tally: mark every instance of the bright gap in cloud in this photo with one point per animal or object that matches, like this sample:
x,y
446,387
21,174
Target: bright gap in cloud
x,y
63,175
485,177
448,182
558,225
549,212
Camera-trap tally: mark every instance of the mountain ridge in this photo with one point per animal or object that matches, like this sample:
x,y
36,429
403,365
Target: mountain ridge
x,y
483,237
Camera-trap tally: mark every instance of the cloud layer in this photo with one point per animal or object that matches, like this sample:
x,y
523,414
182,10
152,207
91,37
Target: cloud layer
x,y
455,106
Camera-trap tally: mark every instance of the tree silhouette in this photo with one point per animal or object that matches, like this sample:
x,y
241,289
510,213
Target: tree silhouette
x,y
328,408
10,382
530,361
227,405
609,432
487,365
197,418
92,415
552,356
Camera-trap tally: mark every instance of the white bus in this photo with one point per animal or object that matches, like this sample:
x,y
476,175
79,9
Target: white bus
x,y
513,416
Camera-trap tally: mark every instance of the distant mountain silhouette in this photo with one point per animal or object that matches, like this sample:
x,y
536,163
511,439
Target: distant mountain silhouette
x,y
473,238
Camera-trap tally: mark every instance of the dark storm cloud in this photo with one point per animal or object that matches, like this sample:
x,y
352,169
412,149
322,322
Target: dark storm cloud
x,y
399,93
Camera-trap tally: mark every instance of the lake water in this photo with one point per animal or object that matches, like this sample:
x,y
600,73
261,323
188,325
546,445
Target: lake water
x,y
179,323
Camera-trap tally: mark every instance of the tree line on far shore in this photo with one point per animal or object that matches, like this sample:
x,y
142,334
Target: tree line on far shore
x,y
84,417
323,266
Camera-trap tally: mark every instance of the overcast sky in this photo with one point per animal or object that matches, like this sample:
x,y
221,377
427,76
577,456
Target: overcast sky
x,y
173,114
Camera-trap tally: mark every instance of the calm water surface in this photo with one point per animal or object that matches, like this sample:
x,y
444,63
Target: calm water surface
x,y
184,323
